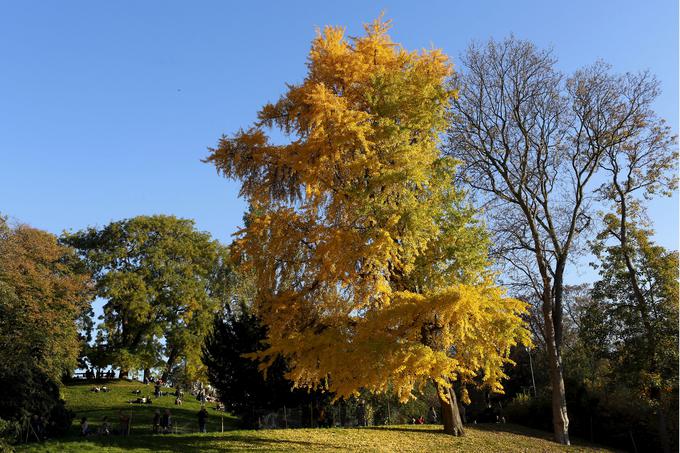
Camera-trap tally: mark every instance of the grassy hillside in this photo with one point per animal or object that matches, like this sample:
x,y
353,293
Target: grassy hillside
x,y
95,406
418,438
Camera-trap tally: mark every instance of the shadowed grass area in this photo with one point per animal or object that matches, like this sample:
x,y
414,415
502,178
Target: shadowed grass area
x,y
403,438
421,438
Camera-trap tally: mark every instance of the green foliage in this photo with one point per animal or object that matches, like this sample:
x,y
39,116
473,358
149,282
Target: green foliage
x,y
243,388
609,417
642,340
43,291
158,276
29,392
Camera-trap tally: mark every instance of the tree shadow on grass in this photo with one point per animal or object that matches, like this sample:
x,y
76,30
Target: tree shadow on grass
x,y
408,429
512,429
200,442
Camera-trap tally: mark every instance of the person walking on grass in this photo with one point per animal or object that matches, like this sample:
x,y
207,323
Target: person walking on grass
x,y
166,422
156,421
202,419
124,423
433,415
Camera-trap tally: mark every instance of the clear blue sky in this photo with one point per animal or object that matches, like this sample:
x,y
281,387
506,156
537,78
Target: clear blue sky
x,y
106,108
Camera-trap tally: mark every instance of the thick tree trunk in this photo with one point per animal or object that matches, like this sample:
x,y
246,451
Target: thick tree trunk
x,y
453,424
343,413
559,400
123,373
147,374
172,357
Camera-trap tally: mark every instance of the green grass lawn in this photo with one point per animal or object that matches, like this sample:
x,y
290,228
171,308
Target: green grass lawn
x,y
416,438
95,406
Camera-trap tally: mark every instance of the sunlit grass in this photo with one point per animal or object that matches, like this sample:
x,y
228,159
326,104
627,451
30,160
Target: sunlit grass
x,y
95,406
416,438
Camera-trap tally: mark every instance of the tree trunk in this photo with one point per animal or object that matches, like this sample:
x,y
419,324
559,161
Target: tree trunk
x,y
172,357
123,373
147,373
559,400
643,309
453,425
663,430
343,413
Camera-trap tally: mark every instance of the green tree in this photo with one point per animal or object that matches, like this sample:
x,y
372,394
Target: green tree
x,y
639,278
44,291
643,319
156,274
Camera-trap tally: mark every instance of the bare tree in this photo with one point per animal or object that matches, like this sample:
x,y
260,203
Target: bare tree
x,y
531,142
642,164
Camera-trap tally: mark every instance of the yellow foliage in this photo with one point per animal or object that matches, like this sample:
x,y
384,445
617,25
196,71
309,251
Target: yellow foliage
x,y
370,266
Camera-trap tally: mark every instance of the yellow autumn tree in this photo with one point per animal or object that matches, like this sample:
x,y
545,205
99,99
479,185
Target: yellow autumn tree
x,y
370,267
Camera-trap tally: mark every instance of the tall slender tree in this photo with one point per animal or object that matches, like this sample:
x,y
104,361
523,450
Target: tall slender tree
x,y
637,274
370,268
531,142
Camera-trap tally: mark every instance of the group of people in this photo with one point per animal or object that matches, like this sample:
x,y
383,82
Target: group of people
x,y
91,374
105,428
162,423
38,426
432,417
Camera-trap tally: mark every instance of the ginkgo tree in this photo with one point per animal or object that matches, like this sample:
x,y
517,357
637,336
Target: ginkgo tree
x,y
371,269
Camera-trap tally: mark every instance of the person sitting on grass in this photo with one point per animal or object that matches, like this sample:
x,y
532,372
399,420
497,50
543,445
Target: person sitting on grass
x,y
84,427
105,429
124,423
166,422
38,426
202,419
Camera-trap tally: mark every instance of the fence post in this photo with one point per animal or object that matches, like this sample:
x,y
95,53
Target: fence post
x,y
285,416
630,433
